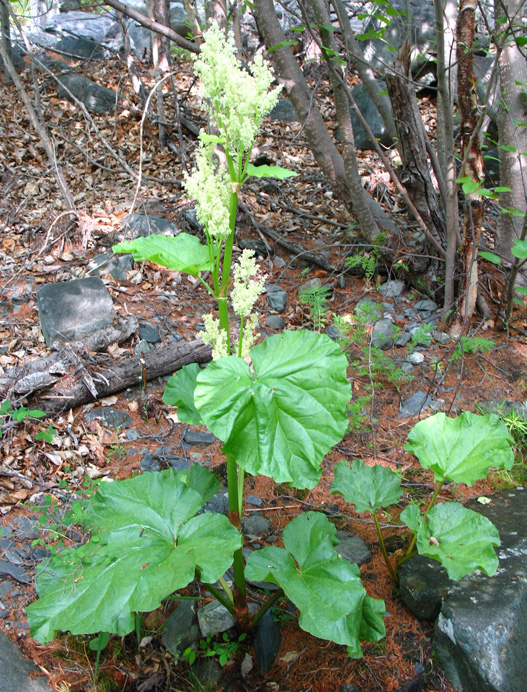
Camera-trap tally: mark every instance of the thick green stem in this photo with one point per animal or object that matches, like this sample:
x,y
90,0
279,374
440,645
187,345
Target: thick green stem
x,y
383,547
220,597
268,604
240,600
414,537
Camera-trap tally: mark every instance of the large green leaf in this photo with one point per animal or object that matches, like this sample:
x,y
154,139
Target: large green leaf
x,y
324,587
179,392
461,539
367,487
281,420
182,253
266,171
461,449
146,543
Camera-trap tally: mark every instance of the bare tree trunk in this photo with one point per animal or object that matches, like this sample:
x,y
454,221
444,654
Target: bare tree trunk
x,y
473,162
156,11
314,128
444,15
512,115
6,31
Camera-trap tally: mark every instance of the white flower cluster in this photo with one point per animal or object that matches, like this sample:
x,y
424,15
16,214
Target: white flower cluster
x,y
211,189
215,337
249,335
244,291
238,99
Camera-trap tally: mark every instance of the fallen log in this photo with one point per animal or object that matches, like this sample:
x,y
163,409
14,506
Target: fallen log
x,y
84,378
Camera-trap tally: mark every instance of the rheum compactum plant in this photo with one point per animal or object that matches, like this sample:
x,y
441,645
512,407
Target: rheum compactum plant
x,y
278,407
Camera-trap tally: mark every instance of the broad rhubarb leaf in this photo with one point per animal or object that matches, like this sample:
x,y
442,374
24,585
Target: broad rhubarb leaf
x,y
281,420
325,588
146,543
459,538
367,487
182,253
179,392
461,449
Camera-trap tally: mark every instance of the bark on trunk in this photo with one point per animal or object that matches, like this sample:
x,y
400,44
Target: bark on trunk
x,y
314,128
473,168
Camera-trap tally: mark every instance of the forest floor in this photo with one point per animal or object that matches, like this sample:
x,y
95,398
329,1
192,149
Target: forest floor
x,y
38,245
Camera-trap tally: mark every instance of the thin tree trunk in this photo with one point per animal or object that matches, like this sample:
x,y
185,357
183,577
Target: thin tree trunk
x,y
473,168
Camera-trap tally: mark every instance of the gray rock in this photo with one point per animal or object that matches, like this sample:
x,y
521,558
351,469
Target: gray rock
x,y
5,589
426,305
80,47
392,289
402,339
372,117
441,337
417,403
256,525
214,618
218,503
253,500
98,99
333,332
10,570
276,297
132,435
15,671
195,438
368,310
504,406
95,26
141,347
148,463
208,673
423,584
383,334
284,111
191,217
267,641
352,548
279,262
275,322
149,333
72,309
110,263
415,358
25,529
481,633
142,225
110,417
181,628
349,687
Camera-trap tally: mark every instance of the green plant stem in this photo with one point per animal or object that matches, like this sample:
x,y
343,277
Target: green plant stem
x,y
414,537
268,604
227,590
220,597
240,599
383,547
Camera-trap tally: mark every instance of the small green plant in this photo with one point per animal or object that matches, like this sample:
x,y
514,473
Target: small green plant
x,y
18,415
367,262
316,298
224,650
458,450
421,335
471,345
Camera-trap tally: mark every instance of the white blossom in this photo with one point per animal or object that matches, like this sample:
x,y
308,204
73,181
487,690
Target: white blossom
x,y
214,336
211,189
249,334
245,291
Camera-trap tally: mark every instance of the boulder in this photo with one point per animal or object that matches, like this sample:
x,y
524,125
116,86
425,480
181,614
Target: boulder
x,y
80,47
372,117
16,672
71,309
97,27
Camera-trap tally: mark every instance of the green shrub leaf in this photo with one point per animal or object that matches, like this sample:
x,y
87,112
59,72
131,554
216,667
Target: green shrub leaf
x,y
324,587
459,538
179,392
367,487
146,543
182,253
281,420
461,449
266,171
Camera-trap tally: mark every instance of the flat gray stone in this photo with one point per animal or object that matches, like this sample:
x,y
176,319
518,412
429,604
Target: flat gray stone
x,y
196,438
267,640
402,339
352,548
256,525
142,225
415,358
71,309
110,263
15,670
481,633
214,618
284,111
423,584
372,117
392,289
275,322
368,310
80,47
149,333
276,297
414,405
13,571
383,334
110,417
98,99
181,628
426,305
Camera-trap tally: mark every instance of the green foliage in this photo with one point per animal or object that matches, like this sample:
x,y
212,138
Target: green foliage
x,y
179,392
269,172
182,253
21,414
458,449
368,263
282,418
316,298
146,543
325,588
470,345
224,650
